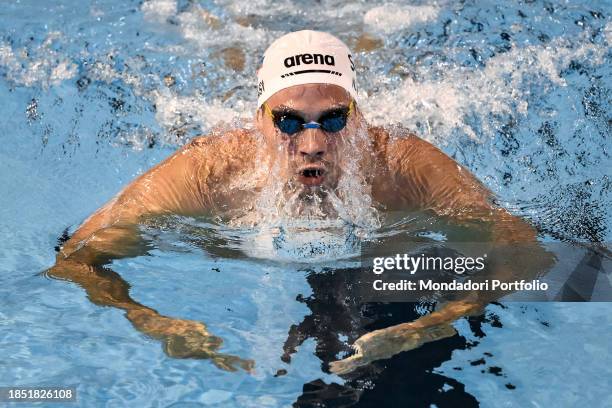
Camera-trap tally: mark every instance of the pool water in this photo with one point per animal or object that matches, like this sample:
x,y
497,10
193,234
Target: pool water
x,y
94,93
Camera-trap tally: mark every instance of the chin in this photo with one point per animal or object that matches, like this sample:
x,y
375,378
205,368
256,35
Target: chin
x,y
313,186
312,183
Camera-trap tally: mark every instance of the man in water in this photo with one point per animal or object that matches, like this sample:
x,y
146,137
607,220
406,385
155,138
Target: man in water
x,y
311,139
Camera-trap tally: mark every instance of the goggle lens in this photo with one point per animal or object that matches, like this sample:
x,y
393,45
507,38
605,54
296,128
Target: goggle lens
x,y
291,124
334,122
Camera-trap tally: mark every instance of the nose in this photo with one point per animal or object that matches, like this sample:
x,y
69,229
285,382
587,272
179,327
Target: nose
x,y
312,144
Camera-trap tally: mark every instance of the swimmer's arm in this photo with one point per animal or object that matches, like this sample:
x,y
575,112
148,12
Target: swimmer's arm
x,y
175,186
181,338
439,184
425,178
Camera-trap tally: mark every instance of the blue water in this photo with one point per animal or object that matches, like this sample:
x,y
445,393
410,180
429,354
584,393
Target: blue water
x,y
95,93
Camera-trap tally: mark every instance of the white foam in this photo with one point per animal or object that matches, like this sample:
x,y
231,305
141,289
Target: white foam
x,y
158,10
438,108
394,17
63,71
173,109
43,66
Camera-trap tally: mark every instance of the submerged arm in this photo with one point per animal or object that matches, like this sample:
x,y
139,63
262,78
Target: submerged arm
x,y
176,186
180,338
426,178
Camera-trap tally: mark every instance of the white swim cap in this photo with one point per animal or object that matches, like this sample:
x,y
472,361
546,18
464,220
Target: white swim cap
x,y
305,57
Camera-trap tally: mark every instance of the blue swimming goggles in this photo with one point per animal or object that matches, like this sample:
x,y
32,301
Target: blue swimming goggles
x,y
290,123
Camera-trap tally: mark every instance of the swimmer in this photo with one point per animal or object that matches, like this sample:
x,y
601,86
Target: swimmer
x,y
308,130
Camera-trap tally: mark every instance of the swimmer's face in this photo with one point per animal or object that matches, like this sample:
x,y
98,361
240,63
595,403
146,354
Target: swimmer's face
x,y
310,157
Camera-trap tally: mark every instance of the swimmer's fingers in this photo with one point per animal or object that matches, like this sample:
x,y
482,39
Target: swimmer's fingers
x,y
348,364
191,346
385,343
199,346
377,345
230,363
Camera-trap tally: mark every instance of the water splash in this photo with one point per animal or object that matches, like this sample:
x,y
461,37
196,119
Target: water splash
x,y
313,225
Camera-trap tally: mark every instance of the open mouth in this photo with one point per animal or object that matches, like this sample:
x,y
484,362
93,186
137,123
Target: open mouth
x,y
311,175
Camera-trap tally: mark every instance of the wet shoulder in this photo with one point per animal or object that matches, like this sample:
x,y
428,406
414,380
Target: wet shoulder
x,y
402,171
222,155
395,143
231,143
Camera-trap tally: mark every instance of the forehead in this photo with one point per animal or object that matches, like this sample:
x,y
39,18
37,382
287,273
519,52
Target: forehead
x,y
309,97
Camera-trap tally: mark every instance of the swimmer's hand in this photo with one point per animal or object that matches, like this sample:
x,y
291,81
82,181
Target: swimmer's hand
x,y
385,343
382,344
186,339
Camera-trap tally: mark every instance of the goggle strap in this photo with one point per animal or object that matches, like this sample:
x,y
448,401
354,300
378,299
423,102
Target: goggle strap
x,y
268,110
